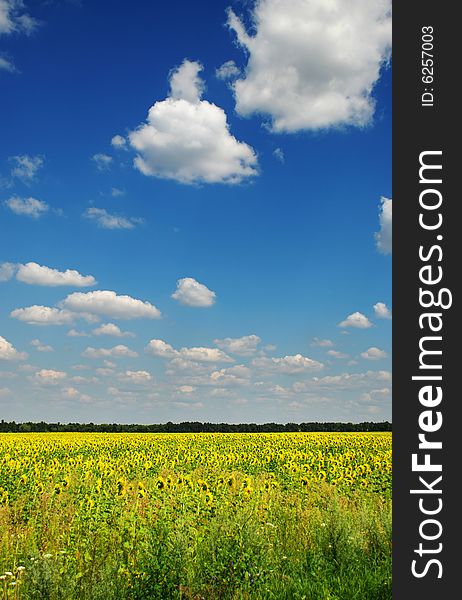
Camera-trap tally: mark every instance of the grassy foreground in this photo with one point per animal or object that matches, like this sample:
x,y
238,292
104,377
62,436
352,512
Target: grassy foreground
x,y
192,516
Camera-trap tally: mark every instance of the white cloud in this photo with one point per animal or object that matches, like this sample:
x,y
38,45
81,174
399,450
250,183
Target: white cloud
x,y
195,354
6,65
4,392
337,354
75,333
188,139
228,70
29,207
36,274
161,348
25,167
118,141
108,303
41,347
201,354
116,351
382,311
113,330
102,161
231,376
107,220
356,319
192,293
43,315
116,192
7,270
136,377
287,364
13,19
49,376
314,64
373,353
9,352
383,238
243,346
322,343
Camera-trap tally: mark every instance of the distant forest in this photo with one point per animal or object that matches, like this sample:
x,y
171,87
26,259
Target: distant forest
x,y
188,427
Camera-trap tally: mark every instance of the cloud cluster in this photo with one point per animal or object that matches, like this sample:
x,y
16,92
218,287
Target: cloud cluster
x,y
314,64
188,139
190,292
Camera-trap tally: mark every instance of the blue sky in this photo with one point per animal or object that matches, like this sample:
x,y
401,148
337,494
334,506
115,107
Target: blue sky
x,y
226,258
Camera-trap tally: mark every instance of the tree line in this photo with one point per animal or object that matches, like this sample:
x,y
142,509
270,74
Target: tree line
x,y
189,427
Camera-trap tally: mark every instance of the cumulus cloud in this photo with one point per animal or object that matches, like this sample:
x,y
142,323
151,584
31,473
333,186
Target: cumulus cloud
x,y
287,364
13,19
312,65
102,161
228,70
243,346
49,376
192,293
43,315
382,311
41,347
188,139
9,352
136,377
35,274
106,220
25,167
29,207
383,238
201,354
195,354
116,351
373,353
108,303
161,348
113,330
356,319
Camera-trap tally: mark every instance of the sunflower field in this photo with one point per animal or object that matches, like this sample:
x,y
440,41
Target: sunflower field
x,y
195,516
